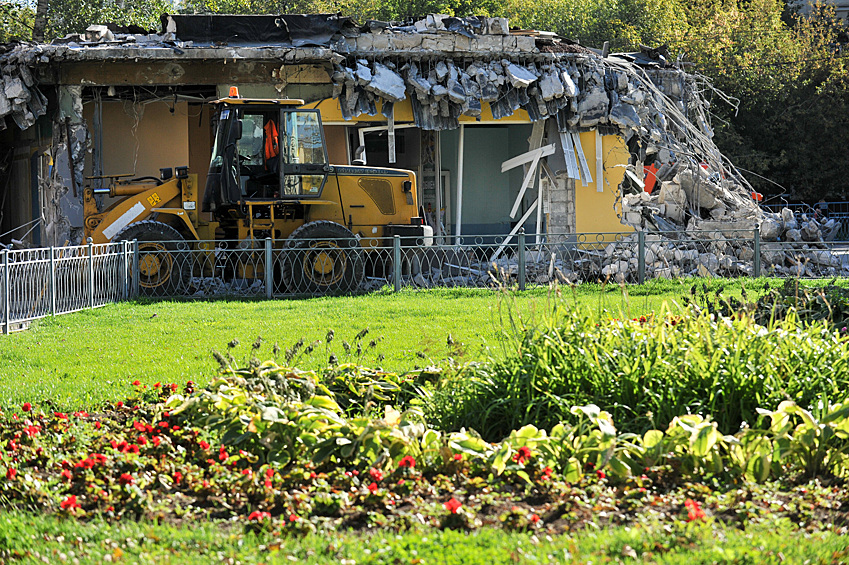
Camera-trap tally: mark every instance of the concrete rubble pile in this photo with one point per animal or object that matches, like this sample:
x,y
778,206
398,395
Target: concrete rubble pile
x,y
20,97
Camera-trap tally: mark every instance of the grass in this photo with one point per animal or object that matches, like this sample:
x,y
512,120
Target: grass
x,y
82,359
31,538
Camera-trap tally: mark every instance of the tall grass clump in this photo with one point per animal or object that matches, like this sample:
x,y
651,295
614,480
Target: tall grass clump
x,y
644,372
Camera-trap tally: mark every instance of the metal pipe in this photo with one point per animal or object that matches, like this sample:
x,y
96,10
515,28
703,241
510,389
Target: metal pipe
x,y
460,183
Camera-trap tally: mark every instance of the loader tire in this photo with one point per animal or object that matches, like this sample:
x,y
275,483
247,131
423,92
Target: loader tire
x,y
164,266
322,257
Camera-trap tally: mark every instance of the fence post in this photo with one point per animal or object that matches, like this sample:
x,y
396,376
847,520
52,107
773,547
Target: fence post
x,y
7,295
90,274
757,246
396,262
641,257
125,270
521,251
269,269
52,281
136,260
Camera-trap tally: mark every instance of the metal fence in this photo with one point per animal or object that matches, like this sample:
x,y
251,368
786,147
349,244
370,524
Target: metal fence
x,y
35,283
40,282
320,267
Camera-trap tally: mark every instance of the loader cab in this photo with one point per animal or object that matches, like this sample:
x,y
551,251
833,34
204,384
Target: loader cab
x,y
265,150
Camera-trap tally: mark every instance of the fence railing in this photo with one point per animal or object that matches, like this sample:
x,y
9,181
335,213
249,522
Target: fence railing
x,y
35,283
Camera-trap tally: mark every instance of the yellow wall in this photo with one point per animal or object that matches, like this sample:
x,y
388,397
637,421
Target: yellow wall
x,y
331,113
594,211
161,139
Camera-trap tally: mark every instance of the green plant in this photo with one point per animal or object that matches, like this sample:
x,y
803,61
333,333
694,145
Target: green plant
x,y
645,372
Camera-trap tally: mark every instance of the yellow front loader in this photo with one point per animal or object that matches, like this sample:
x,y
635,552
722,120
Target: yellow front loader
x,y
268,178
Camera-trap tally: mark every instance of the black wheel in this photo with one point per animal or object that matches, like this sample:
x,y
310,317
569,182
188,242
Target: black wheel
x,y
164,260
322,257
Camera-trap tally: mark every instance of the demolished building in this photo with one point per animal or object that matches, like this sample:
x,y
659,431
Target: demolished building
x,y
506,129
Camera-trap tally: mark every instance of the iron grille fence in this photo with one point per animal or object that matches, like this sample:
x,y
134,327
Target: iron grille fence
x,y
35,283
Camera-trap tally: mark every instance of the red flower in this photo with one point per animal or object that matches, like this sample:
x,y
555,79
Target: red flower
x,y
222,454
546,473
100,458
294,517
534,518
61,415
407,461
269,473
458,457
173,386
26,407
522,455
81,414
267,483
453,505
155,441
126,479
139,426
203,445
133,449
157,385
694,510
136,383
163,424
247,472
257,516
97,425
178,476
376,474
142,440
600,474
372,488
31,431
67,475
70,503
10,473
312,474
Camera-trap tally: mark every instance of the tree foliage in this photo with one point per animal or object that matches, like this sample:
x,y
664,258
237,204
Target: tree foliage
x,y
16,20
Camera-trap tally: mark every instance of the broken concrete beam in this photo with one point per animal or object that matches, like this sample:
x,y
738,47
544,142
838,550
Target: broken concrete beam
x,y
15,89
387,83
701,193
520,77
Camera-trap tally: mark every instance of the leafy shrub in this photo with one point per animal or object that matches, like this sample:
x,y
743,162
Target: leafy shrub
x,y
645,372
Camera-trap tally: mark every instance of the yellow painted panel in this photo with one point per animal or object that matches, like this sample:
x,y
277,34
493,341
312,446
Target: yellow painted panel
x,y
594,211
331,113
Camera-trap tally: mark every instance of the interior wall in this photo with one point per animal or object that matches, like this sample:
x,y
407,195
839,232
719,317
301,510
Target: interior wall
x,y
337,150
488,194
141,139
200,141
597,211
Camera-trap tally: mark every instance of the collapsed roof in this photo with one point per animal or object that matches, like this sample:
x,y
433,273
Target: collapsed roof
x,y
447,67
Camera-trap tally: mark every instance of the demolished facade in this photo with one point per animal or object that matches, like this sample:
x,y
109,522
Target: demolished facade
x,y
506,129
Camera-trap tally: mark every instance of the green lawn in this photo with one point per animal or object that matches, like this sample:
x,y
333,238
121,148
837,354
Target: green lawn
x,y
79,360
54,539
